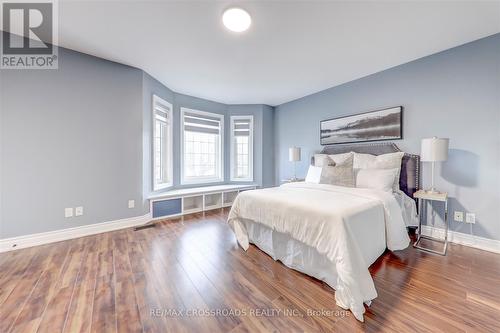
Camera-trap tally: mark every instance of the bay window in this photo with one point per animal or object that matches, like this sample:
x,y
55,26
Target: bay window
x,y
242,148
201,144
162,143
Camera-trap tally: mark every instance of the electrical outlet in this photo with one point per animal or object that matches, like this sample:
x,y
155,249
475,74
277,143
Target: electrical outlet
x,y
470,218
458,216
131,203
68,212
79,211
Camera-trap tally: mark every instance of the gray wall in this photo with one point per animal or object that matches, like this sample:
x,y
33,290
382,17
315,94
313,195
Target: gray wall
x,y
268,144
454,94
81,136
150,87
70,137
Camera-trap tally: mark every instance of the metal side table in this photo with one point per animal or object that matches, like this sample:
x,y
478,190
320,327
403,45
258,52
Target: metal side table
x,y
442,197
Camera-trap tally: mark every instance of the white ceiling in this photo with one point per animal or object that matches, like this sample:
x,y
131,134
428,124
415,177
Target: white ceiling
x,y
291,50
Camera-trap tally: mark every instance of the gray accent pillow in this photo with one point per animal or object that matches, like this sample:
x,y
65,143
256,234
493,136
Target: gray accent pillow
x,y
342,174
321,160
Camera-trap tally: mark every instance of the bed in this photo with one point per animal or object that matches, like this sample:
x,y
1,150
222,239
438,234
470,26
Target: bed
x,y
332,233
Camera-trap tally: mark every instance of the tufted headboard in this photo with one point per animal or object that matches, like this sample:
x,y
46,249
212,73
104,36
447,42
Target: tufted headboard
x,y
410,172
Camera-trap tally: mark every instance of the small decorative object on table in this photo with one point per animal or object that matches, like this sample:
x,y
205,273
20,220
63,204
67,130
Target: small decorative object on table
x,y
431,196
294,156
292,180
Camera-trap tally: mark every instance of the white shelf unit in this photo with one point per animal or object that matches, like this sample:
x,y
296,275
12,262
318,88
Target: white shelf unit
x,y
228,198
193,200
212,201
192,204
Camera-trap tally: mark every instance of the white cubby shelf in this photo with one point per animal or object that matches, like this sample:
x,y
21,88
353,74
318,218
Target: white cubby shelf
x,y
193,200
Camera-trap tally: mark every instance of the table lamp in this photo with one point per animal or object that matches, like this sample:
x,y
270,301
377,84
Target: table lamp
x,y
294,156
434,150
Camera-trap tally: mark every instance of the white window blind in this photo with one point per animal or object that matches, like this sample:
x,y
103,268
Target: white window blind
x,y
242,148
202,147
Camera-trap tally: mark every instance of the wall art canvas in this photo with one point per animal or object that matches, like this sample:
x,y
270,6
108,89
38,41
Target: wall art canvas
x,y
378,125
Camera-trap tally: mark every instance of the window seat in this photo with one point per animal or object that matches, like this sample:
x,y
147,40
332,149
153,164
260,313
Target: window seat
x,y
195,199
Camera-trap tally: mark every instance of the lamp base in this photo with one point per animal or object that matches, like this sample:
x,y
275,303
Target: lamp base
x,y
432,190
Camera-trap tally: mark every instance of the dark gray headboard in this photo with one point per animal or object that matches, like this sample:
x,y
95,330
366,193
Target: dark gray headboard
x,y
410,172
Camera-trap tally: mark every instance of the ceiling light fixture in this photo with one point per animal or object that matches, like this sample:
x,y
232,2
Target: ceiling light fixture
x,y
236,19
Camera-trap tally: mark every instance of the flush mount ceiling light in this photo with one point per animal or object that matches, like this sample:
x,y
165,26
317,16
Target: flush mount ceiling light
x,y
236,19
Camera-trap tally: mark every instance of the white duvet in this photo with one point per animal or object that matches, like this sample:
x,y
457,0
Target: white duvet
x,y
321,216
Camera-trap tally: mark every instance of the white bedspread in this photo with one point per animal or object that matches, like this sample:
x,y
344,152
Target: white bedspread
x,y
319,216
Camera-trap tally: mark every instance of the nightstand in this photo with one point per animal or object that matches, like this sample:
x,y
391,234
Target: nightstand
x,y
429,196
292,180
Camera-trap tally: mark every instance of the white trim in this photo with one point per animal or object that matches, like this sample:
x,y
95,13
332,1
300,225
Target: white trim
x,y
463,239
250,148
21,242
202,181
157,100
167,216
193,191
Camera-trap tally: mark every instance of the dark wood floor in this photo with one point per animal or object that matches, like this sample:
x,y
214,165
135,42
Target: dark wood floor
x,y
141,281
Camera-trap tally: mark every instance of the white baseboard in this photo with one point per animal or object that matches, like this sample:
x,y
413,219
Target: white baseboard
x,y
21,242
463,239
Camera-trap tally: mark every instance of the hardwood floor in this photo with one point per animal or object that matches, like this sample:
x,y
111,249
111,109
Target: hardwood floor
x,y
153,280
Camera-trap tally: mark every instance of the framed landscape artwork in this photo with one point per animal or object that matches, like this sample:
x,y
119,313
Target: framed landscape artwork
x,y
378,125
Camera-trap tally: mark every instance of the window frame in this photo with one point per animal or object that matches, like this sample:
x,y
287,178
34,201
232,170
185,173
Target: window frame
x,y
156,100
203,180
232,157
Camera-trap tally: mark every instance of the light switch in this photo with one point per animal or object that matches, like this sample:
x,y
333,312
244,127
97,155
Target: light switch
x,y
131,203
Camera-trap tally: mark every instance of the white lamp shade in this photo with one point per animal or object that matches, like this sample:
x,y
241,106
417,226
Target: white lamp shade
x,y
294,154
434,149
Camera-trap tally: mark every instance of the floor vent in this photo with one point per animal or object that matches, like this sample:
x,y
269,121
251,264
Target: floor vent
x,y
145,226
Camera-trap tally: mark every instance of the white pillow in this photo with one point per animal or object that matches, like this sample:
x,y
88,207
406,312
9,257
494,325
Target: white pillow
x,y
385,161
313,174
379,179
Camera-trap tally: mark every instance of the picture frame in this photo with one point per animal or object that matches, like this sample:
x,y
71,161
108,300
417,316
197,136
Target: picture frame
x,y
378,125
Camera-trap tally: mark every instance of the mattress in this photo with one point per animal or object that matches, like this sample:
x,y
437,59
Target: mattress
x,y
408,208
304,258
329,232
